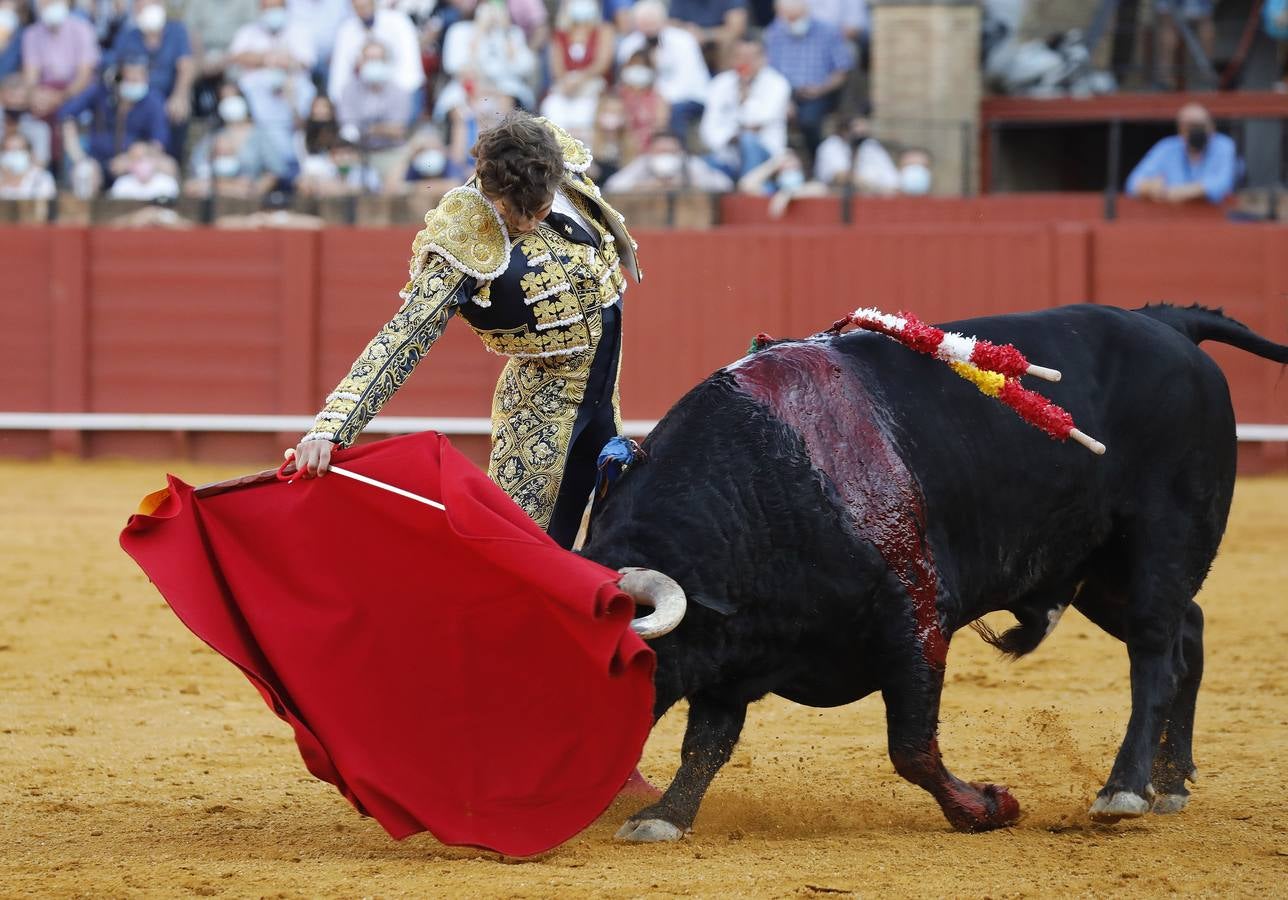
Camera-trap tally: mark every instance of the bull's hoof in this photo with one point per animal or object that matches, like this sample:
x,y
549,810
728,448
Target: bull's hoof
x,y
984,808
648,831
1166,804
1118,806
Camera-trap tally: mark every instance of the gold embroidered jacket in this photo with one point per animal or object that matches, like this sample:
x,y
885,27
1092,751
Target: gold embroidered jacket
x,y
537,300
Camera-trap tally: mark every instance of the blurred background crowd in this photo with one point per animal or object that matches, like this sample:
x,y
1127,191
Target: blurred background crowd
x,y
156,99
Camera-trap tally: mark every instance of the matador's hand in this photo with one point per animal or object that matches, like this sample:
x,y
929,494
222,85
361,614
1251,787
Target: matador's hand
x,y
312,458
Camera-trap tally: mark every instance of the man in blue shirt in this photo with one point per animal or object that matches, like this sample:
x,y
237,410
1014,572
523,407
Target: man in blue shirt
x,y
114,118
1196,163
171,70
815,58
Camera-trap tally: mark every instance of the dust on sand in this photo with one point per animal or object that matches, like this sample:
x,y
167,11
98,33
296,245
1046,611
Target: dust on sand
x,y
134,761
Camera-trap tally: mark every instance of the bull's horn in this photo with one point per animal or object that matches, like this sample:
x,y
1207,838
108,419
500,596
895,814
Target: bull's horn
x,y
650,588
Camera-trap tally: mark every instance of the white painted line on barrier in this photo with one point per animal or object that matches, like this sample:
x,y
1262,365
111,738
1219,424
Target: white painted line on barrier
x,y
35,421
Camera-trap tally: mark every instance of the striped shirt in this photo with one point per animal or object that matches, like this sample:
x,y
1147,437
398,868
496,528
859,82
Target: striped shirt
x,y
809,59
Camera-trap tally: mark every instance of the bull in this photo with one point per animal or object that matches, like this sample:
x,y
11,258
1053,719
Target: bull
x,y
834,509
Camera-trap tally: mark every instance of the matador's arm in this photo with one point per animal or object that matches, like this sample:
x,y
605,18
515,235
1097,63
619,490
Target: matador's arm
x,y
380,370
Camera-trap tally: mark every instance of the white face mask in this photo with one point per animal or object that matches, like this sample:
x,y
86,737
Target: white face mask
x,y
790,179
665,165
225,166
583,11
152,18
8,21
134,91
799,27
274,19
376,71
429,163
54,14
274,79
16,162
637,76
914,179
233,109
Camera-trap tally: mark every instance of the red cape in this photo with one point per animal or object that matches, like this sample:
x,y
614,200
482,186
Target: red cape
x,y
453,672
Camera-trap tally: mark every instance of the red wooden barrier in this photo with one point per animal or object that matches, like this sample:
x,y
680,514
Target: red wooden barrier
x,y
267,322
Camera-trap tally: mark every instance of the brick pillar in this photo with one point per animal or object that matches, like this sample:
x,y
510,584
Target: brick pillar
x,y
926,84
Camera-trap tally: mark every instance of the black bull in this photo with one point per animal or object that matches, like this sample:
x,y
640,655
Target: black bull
x,y
836,508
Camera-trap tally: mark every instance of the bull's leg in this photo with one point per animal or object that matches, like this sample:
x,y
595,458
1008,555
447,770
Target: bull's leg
x,y
709,738
1174,760
1154,615
911,696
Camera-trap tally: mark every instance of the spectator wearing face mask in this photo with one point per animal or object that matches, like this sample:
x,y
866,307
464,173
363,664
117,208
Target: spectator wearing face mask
x,y
610,137
212,26
486,106
59,56
373,112
676,59
647,111
20,176
10,38
396,32
15,115
171,70
666,167
745,122
103,124
815,58
853,158
783,179
580,59
916,177
489,49
320,133
424,167
716,24
343,173
240,157
145,177
274,57
1196,163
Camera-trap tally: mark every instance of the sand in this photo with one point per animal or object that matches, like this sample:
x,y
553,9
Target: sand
x,y
135,762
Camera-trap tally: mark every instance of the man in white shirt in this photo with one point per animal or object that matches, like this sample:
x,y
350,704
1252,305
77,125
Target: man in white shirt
x,y
852,156
745,122
666,167
274,57
322,19
682,74
391,28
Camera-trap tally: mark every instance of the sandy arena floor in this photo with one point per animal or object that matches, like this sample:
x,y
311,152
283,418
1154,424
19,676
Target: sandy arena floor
x,y
133,761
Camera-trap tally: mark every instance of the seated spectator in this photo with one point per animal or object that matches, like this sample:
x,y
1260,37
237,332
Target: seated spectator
x,y
487,49
486,106
342,174
240,158
102,125
171,71
850,17
667,167
391,28
609,140
59,57
916,176
1196,163
783,179
676,58
15,115
716,24
322,19
321,131
855,159
816,60
423,166
20,176
10,38
145,176
373,112
745,122
1198,16
212,26
580,57
647,111
274,58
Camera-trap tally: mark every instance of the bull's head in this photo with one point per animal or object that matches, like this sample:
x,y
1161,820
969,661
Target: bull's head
x,y
649,588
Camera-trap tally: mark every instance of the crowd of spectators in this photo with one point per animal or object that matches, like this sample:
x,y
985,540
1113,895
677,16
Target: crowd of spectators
x,y
147,99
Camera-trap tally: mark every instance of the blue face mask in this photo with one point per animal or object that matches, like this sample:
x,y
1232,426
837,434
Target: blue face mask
x,y
133,91
274,19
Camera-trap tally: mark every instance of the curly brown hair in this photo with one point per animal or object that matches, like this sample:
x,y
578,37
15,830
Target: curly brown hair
x,y
519,161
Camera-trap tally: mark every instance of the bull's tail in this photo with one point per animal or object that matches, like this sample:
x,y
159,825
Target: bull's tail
x,y
1200,323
